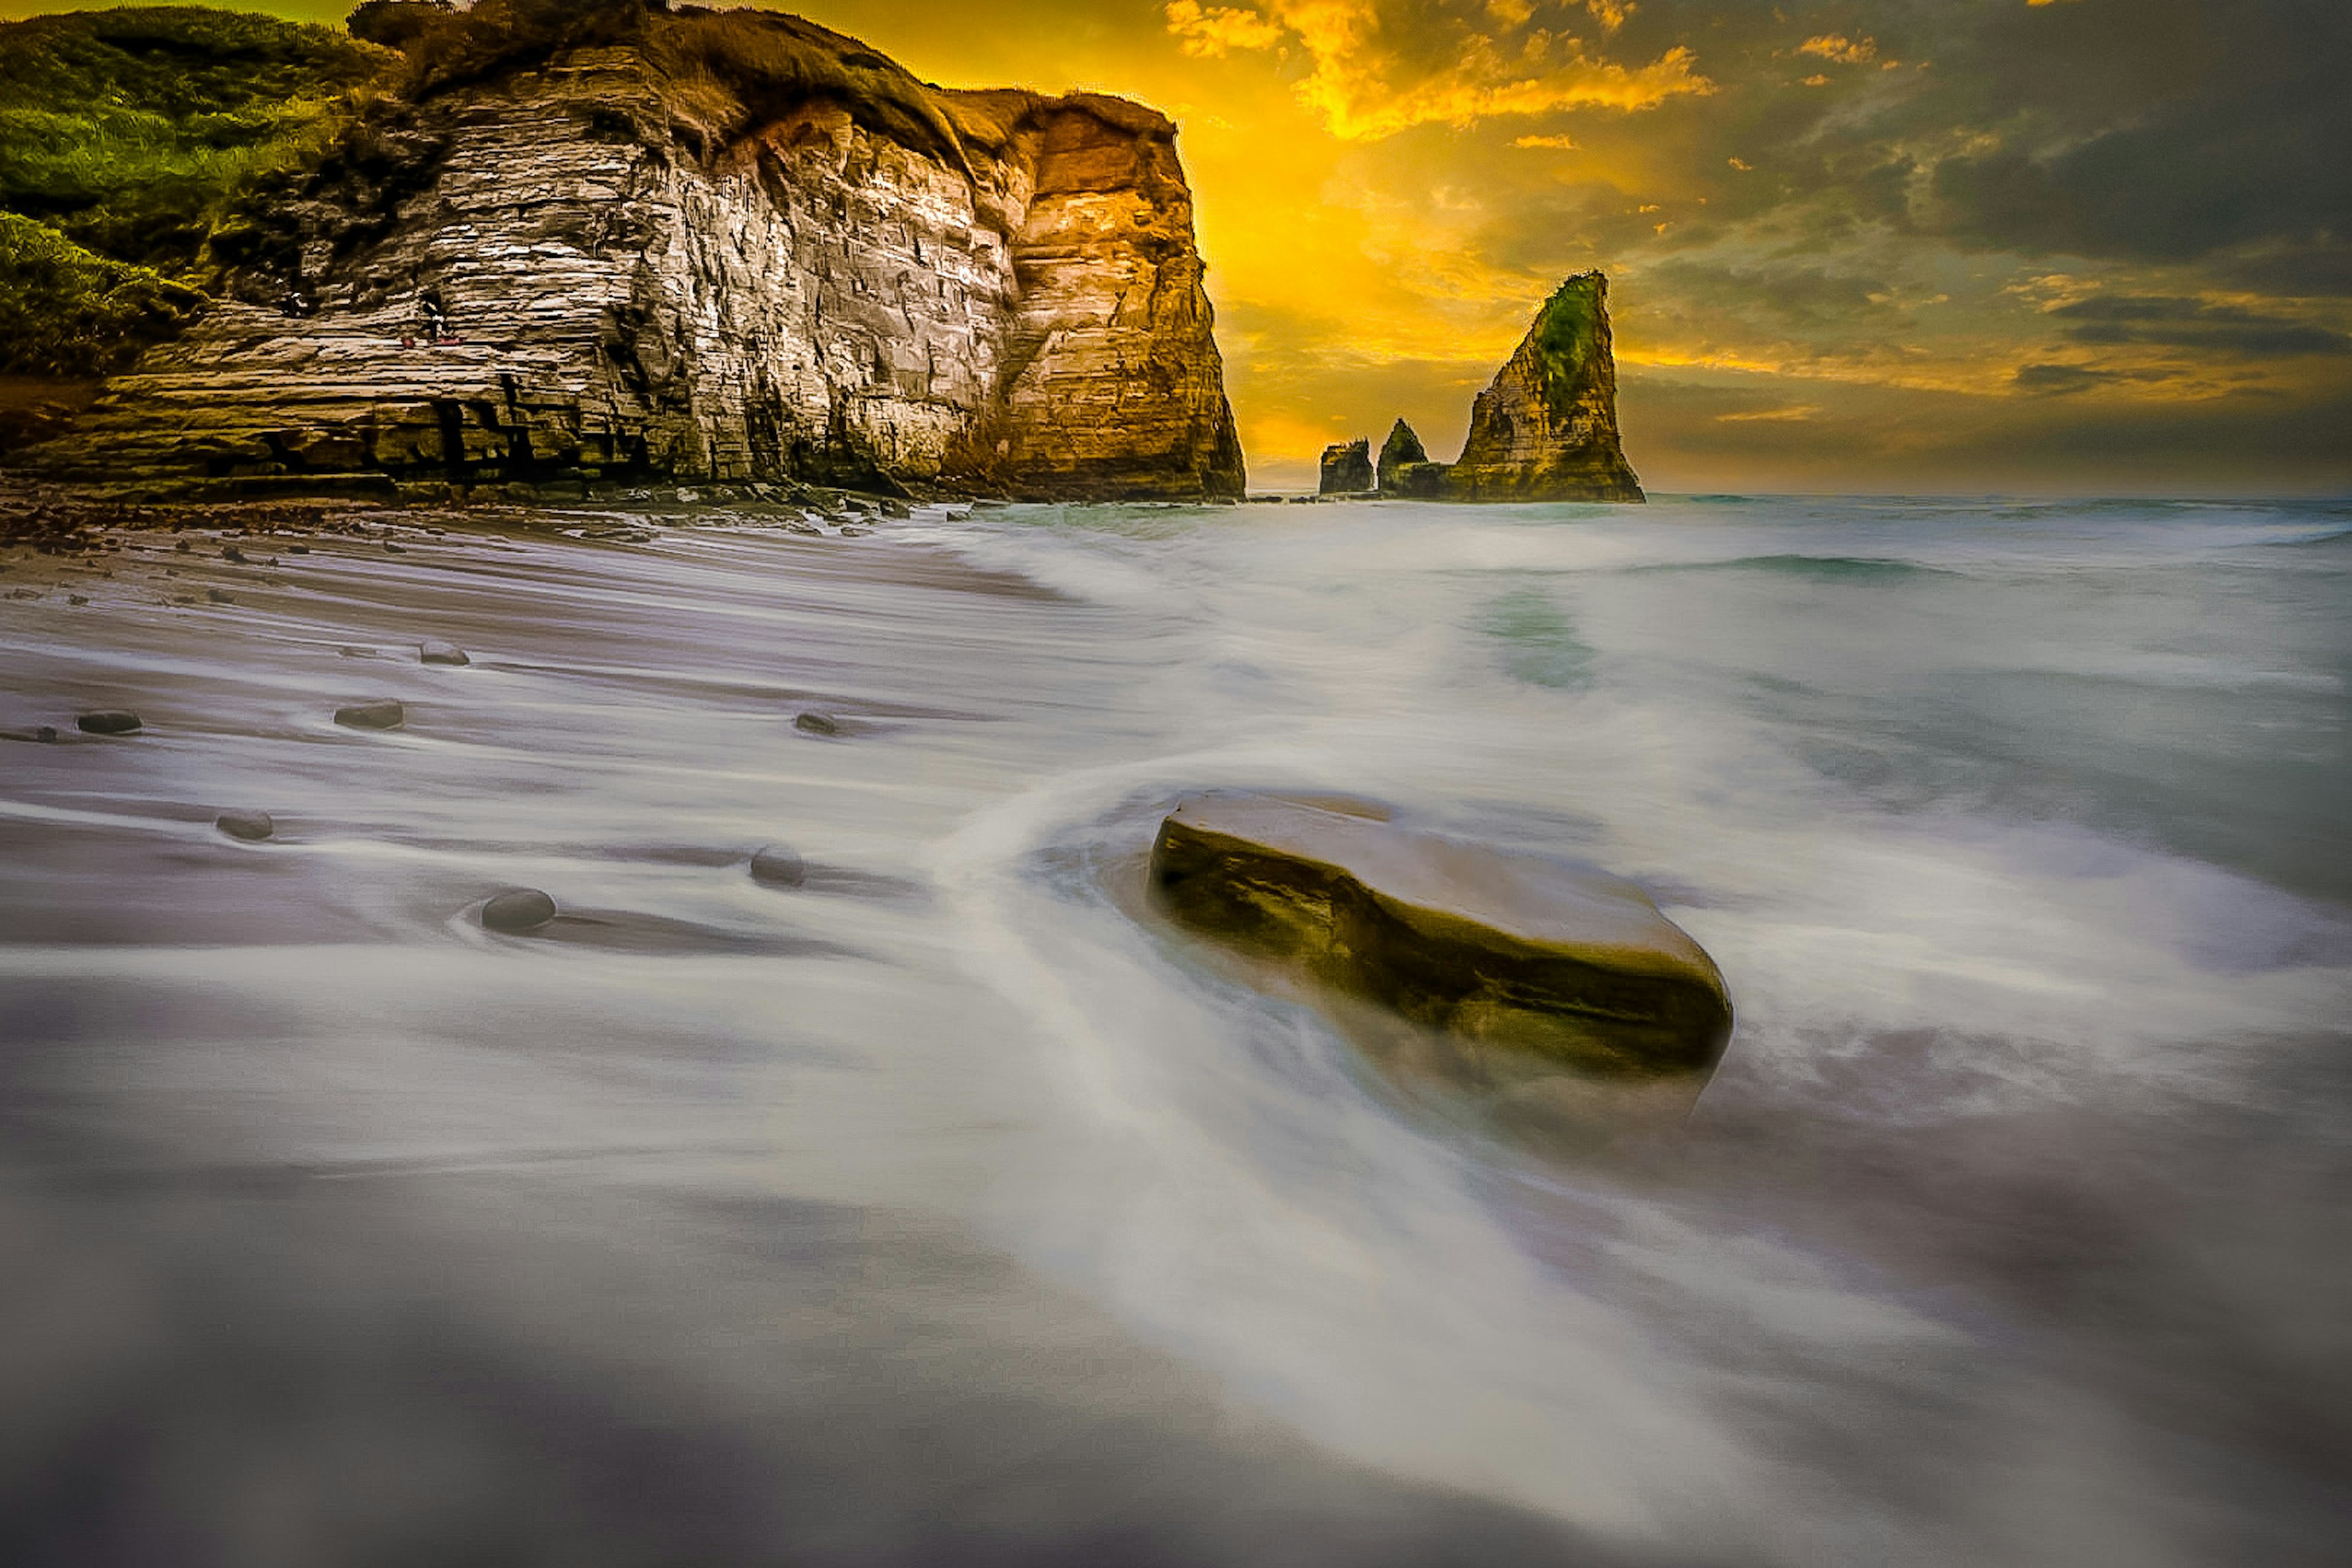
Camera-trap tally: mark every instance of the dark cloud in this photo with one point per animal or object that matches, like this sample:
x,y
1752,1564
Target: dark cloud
x,y
2156,130
2302,271
2057,380
1796,295
2173,322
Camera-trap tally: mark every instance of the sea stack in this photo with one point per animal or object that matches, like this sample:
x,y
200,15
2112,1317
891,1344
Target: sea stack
x,y
1546,429
631,244
1347,469
1401,449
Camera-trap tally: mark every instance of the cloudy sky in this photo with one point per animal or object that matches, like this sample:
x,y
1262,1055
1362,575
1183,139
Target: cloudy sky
x,y
1947,245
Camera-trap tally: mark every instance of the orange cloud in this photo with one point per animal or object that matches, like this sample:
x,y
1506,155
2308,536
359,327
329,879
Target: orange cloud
x,y
1363,87
1211,31
1837,46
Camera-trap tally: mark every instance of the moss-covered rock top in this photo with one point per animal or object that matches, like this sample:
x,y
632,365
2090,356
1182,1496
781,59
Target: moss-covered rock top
x,y
1566,337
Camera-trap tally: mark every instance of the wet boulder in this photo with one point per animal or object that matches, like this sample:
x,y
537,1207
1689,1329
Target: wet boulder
x,y
247,826
442,653
108,722
383,715
519,911
1552,957
779,866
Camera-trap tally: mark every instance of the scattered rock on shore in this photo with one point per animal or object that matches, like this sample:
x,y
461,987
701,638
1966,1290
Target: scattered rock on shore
x,y
442,653
247,826
779,866
384,715
517,911
817,724
1557,959
107,722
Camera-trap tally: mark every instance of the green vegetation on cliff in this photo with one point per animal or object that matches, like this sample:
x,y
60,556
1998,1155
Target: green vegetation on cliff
x,y
66,311
123,135
1565,336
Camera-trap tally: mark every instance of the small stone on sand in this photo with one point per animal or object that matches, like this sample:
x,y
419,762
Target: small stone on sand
x,y
392,549
108,723
442,653
249,826
518,911
817,724
386,715
779,866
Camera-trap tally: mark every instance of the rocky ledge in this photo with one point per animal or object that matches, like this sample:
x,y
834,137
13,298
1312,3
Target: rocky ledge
x,y
719,247
1544,430
1557,959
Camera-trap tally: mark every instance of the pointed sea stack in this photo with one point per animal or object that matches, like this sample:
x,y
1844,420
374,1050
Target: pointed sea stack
x,y
1346,469
1547,427
1401,447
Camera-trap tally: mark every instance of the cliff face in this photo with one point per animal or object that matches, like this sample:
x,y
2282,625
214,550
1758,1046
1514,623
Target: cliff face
x,y
610,266
1546,429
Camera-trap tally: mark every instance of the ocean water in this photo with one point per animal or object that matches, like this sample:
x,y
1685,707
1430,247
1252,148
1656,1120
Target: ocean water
x,y
950,1208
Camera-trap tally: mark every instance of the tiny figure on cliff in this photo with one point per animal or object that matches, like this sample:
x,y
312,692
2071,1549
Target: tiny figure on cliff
x,y
436,316
295,305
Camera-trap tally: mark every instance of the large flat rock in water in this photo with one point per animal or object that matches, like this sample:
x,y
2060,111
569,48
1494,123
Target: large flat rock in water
x,y
1553,956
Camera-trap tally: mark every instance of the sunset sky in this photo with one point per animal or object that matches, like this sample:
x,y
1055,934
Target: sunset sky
x,y
1949,245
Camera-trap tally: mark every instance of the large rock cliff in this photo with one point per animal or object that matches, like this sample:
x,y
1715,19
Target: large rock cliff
x,y
1546,429
648,257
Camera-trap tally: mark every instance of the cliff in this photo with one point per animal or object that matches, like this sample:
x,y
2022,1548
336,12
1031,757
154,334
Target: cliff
x,y
702,246
1546,429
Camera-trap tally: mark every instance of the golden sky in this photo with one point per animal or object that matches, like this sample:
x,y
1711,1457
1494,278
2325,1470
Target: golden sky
x,y
1974,245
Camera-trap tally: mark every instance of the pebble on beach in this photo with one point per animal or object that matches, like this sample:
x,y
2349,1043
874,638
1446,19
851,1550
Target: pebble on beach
x,y
817,724
108,723
386,715
442,653
247,826
779,866
519,911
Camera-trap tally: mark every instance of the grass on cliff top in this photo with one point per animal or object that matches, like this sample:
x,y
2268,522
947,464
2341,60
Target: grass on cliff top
x,y
726,72
124,134
123,130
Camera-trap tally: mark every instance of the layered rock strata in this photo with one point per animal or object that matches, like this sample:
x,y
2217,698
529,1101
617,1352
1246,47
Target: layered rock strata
x,y
1552,958
587,271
